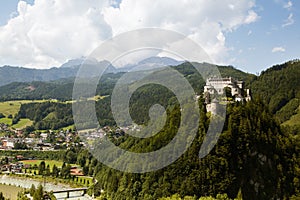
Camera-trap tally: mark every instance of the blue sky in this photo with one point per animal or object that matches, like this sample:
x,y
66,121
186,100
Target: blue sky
x,y
269,33
8,9
254,42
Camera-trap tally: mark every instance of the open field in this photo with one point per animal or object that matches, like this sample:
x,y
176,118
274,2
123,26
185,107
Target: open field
x,y
10,191
6,121
20,125
12,107
51,163
23,123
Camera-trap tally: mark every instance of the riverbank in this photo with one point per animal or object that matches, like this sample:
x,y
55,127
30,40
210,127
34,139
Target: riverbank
x,y
26,182
53,180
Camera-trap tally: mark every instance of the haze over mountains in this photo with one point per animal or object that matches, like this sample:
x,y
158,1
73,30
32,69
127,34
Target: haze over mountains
x,y
9,74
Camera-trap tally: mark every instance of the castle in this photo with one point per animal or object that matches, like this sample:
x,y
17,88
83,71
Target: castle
x,y
226,87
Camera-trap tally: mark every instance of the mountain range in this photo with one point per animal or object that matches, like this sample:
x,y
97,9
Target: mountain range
x,y
9,74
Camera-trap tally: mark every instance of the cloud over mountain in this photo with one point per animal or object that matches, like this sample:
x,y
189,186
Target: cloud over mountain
x,y
48,33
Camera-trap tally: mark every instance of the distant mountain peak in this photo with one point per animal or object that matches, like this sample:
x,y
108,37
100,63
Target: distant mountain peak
x,y
78,61
150,64
166,61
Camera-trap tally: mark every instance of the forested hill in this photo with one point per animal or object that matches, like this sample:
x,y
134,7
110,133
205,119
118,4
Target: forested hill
x,y
279,88
253,156
36,90
9,74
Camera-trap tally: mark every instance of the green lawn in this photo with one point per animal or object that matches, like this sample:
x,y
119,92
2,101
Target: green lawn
x,y
10,191
47,162
20,125
13,107
6,121
84,180
9,108
23,123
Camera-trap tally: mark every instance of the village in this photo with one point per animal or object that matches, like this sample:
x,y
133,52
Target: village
x,y
48,141
19,139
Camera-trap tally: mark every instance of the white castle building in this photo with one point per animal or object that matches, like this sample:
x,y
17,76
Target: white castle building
x,y
216,86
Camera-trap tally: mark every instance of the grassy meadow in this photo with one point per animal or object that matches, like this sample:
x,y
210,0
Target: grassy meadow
x,y
51,163
10,192
8,108
12,108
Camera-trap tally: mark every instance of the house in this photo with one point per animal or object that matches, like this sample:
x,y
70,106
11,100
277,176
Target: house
x,y
76,171
19,132
20,157
8,144
5,168
44,136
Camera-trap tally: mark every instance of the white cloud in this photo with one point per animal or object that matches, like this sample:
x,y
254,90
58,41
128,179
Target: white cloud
x,y
252,17
201,20
288,5
278,49
48,33
289,21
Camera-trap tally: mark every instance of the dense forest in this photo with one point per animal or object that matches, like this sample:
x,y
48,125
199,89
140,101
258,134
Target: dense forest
x,y
279,88
253,156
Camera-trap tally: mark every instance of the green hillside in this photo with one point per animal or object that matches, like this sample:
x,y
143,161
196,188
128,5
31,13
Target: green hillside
x,y
252,149
279,88
61,89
